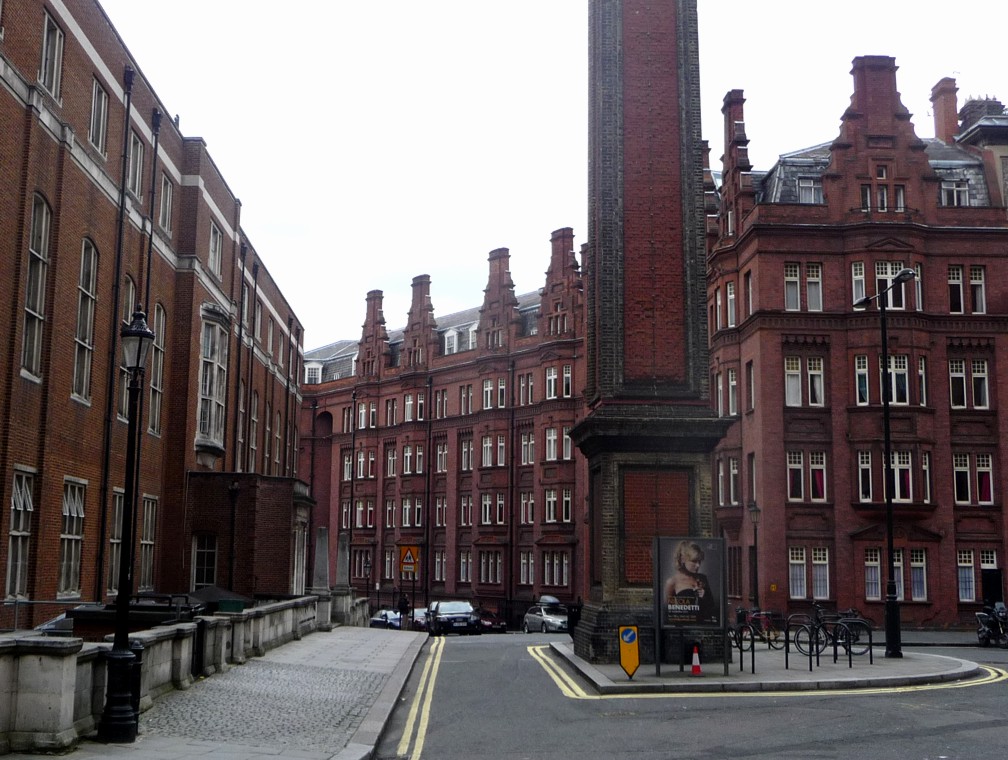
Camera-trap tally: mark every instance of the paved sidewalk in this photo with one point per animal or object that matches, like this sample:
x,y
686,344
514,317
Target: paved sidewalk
x,y
771,670
326,696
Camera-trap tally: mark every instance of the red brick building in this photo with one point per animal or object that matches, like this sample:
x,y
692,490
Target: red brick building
x,y
452,435
77,144
798,370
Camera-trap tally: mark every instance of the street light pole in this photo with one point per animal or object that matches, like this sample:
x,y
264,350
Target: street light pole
x,y
119,722
893,635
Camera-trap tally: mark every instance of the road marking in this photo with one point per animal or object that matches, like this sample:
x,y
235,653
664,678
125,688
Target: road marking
x,y
572,690
421,703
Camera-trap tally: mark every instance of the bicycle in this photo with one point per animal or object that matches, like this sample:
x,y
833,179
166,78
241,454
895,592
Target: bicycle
x,y
758,624
851,633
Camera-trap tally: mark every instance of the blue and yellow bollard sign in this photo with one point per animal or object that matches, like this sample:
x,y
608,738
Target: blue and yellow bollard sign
x,y
629,651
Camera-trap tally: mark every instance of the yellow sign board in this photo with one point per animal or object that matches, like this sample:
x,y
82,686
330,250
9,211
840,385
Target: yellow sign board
x,y
629,649
409,558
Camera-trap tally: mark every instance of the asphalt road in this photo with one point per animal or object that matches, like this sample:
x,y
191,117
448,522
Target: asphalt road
x,y
487,697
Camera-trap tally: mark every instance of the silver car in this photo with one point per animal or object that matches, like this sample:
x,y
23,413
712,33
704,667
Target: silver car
x,y
546,618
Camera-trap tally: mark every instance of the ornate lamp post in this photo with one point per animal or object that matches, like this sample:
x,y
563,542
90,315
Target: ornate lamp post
x,y
118,722
893,636
754,515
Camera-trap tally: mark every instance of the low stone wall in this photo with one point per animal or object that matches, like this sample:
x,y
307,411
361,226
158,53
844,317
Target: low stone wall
x,y
52,689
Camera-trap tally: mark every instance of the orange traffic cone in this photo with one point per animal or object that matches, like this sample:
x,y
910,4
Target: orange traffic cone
x,y
696,661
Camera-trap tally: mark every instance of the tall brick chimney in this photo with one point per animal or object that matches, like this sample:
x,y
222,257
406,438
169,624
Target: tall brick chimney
x,y
875,95
946,109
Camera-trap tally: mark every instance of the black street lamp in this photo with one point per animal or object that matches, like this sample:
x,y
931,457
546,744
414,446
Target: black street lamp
x,y
893,636
119,721
754,515
367,575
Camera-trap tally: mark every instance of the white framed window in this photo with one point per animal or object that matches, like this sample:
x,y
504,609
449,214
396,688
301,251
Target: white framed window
x,y
500,508
465,510
902,476
984,478
966,575
730,303
213,384
795,466
922,380
486,511
978,295
418,512
919,287
406,514
215,250
440,564
84,339
873,574
926,476
797,587
134,177
957,383
551,382
792,381
733,480
810,190
954,193
567,505
488,394
750,304
551,505
487,460
51,65
390,412
717,309
857,281
961,478
955,289
19,534
71,538
165,206
390,462
719,393
817,475
466,454
98,128
815,381
820,573
732,392
899,380
527,508
862,397
35,290
918,575
792,295
568,446
813,287
527,565
490,567
568,381
720,482
864,476
408,407
390,513
253,441
407,459
885,276
501,393
440,511
978,375
555,568
345,514
501,451
551,444
465,567
898,572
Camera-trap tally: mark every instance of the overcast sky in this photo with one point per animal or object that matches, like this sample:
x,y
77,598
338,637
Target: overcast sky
x,y
373,141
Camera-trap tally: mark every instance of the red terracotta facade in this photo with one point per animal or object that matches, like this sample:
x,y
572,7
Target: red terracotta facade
x,y
450,435
62,430
798,370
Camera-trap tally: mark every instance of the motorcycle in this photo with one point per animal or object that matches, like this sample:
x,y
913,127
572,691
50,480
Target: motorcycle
x,y
992,625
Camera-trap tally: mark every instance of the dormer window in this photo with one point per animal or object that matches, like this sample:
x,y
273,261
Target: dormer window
x,y
449,343
954,193
810,190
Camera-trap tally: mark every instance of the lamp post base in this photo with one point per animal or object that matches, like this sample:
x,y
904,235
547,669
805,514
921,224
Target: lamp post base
x,y
893,637
118,723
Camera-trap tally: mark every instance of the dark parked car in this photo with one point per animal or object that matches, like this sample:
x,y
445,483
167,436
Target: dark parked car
x,y
453,617
490,622
385,619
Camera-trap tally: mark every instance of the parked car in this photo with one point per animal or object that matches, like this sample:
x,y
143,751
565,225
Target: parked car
x,y
550,616
385,619
490,622
453,617
418,621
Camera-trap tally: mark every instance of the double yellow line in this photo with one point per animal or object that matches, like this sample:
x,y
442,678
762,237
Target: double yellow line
x,y
572,690
421,704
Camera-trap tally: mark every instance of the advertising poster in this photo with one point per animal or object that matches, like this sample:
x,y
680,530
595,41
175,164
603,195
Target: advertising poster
x,y
689,581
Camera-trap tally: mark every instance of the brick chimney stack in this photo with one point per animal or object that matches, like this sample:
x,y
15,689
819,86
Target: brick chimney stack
x,y
946,109
875,95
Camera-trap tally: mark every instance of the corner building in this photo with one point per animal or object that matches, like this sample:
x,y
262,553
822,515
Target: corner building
x,y
798,371
452,435
218,431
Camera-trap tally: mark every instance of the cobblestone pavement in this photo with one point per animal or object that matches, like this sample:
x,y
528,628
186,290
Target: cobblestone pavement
x,y
325,696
